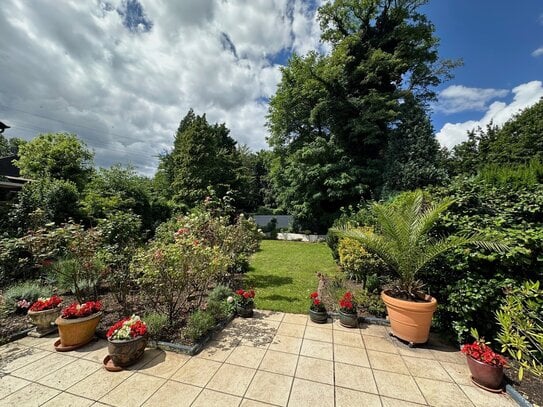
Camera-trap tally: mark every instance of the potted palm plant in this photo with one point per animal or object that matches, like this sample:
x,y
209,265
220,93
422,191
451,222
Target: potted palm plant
x,y
127,340
402,240
43,313
317,310
77,324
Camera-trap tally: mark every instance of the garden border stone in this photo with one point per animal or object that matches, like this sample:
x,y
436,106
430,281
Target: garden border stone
x,y
16,336
515,395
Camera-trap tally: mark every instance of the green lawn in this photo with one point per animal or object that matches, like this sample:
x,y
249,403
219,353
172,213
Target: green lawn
x,y
283,274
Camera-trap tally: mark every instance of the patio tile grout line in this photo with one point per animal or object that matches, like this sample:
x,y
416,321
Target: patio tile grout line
x,y
296,368
371,369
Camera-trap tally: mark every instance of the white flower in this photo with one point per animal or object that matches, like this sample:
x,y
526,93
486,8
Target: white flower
x,y
230,300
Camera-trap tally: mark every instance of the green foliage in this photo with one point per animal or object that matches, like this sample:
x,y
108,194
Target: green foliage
x,y
220,292
60,156
521,327
15,261
198,324
357,262
516,176
219,309
27,290
156,323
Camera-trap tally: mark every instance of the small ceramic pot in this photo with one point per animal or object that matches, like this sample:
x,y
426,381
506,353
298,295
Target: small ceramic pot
x,y
124,353
348,320
488,377
244,312
43,320
319,317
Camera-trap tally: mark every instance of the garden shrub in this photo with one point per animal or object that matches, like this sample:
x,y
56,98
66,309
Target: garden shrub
x,y
220,292
15,261
156,323
220,309
198,324
521,327
28,290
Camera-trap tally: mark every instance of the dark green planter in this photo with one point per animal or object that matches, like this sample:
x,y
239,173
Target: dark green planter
x,y
244,312
318,317
348,320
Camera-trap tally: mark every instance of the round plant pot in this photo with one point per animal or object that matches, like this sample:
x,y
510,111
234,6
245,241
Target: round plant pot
x,y
244,312
486,376
44,319
319,317
410,320
77,332
124,353
348,320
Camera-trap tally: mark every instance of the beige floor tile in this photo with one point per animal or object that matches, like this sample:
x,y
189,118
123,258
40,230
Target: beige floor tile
x,y
209,398
10,384
43,366
32,395
305,393
262,342
287,344
279,362
318,334
389,402
350,355
373,330
442,394
270,388
316,349
379,344
197,372
232,379
348,338
95,345
133,391
268,315
421,353
247,356
350,398
355,378
295,330
338,327
398,386
148,356
18,356
295,319
37,342
318,370
68,400
387,361
482,398
328,325
99,384
449,356
174,394
252,403
216,351
70,374
458,371
426,368
165,364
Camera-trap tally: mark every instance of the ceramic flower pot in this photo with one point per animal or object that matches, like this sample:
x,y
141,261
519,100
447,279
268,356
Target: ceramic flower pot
x,y
348,320
488,377
410,320
244,312
124,353
77,332
319,317
43,320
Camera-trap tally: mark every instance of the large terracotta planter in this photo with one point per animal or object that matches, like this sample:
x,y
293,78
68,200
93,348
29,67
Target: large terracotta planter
x,y
43,320
410,321
348,320
77,332
244,312
127,352
318,317
487,376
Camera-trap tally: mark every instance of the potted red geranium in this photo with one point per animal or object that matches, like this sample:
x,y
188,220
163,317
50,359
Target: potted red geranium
x,y
485,365
77,324
127,340
348,316
317,310
245,303
43,313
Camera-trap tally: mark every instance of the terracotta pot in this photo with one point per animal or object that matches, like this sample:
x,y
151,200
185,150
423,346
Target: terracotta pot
x,y
348,320
127,352
410,320
244,312
44,319
484,375
319,317
79,331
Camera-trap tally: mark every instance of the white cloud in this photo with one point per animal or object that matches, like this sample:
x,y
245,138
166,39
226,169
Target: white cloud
x,y
125,91
525,95
459,98
538,52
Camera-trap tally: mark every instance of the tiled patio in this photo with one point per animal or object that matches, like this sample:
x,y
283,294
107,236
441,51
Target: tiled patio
x,y
273,359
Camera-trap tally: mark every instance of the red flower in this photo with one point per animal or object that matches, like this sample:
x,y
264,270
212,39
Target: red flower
x,y
116,326
240,292
48,303
478,350
316,301
252,293
314,295
246,295
75,310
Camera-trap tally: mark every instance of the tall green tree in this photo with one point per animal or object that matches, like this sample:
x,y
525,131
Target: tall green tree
x,y
59,156
383,53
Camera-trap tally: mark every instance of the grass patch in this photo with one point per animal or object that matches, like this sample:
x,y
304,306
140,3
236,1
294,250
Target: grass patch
x,y
283,274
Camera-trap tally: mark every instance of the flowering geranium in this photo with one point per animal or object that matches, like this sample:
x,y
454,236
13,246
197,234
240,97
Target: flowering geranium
x,y
23,304
127,328
46,303
245,298
316,304
76,310
479,350
347,303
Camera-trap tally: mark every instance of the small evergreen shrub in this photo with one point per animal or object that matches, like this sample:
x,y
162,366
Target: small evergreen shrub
x,y
28,290
198,324
156,323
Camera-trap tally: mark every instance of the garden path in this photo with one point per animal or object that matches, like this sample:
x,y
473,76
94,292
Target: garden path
x,y
274,359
